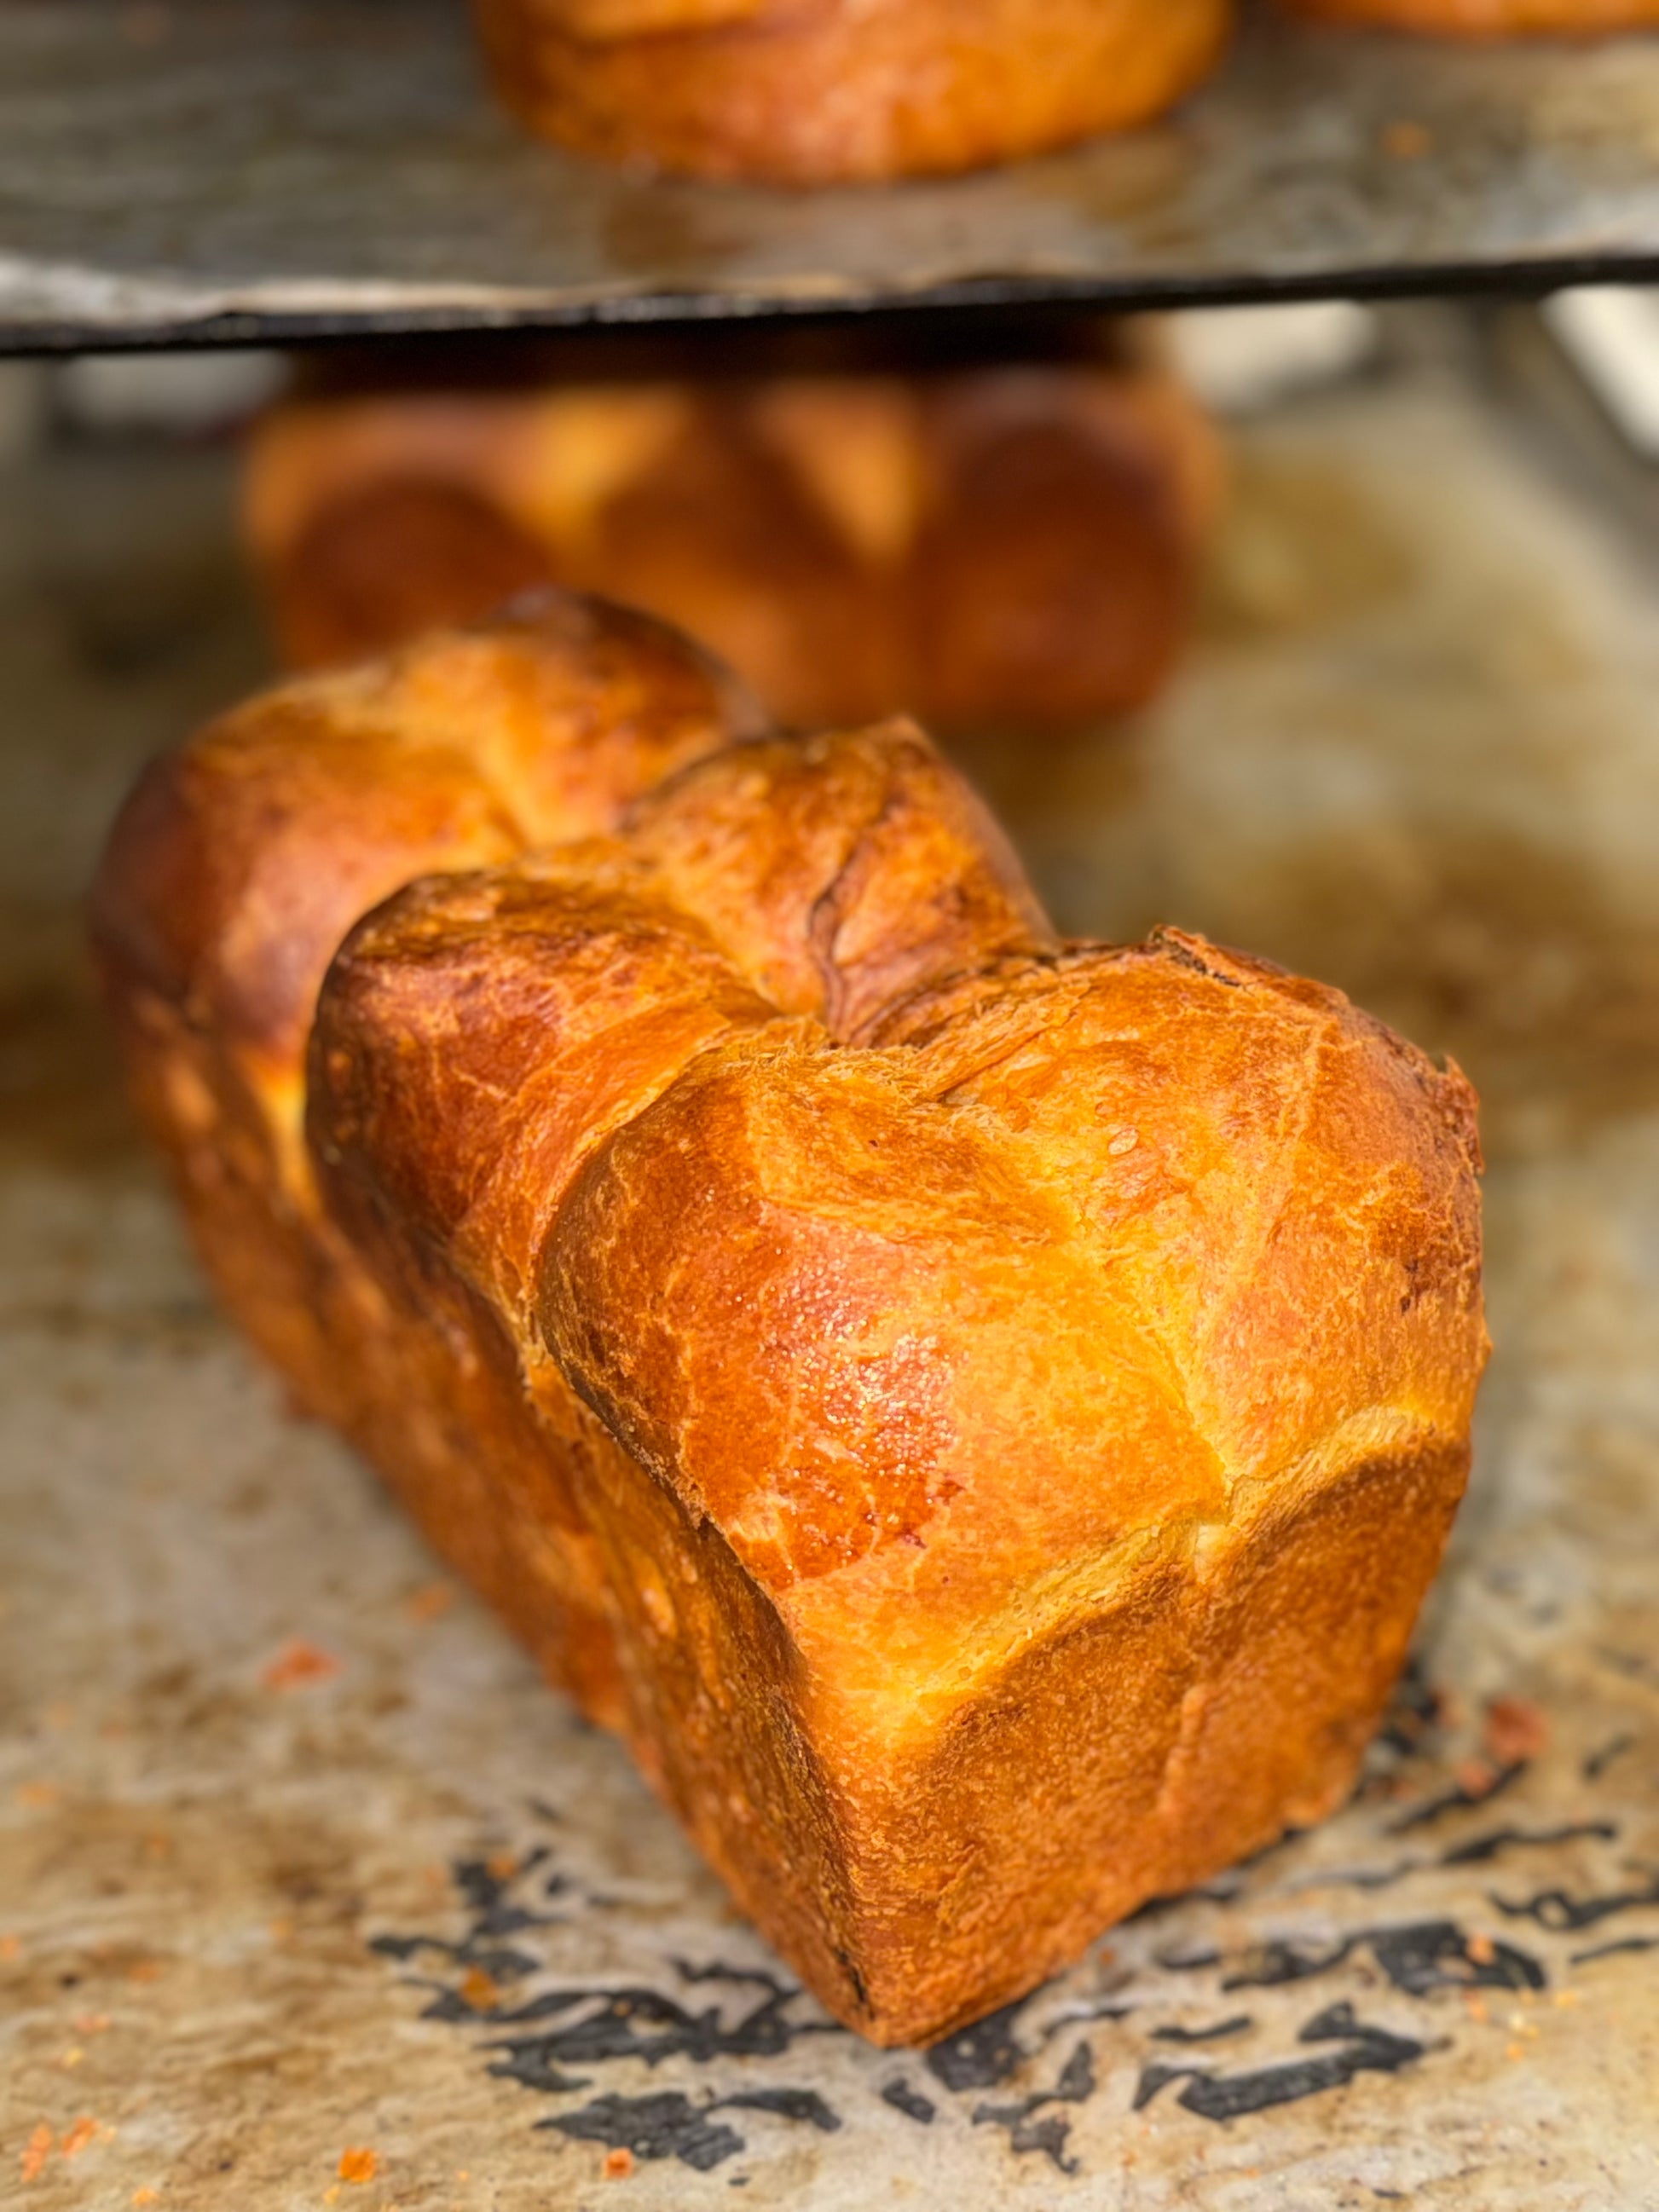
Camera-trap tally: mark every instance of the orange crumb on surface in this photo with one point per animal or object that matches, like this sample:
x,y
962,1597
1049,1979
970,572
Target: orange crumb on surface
x,y
1514,1728
143,2196
1515,2050
11,1948
480,1989
36,2151
77,2137
618,2165
1482,1950
360,2165
1474,1776
38,1796
1406,142
72,2056
1477,2008
1566,1997
143,1970
430,1602
91,2023
297,1663
503,1865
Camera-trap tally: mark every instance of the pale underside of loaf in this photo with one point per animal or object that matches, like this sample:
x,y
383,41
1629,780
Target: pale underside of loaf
x,y
978,1414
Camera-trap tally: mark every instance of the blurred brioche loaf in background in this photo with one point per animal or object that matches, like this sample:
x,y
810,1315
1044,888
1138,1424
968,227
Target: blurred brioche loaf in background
x,y
979,543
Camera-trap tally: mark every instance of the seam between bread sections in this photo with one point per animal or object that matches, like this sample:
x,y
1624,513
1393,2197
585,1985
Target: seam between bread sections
x,y
899,1704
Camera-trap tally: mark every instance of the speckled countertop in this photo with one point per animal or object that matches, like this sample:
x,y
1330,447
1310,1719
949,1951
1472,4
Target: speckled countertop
x,y
310,1895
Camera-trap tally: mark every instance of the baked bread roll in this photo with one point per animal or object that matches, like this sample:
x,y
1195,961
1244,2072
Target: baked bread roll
x,y
812,92
978,1413
1015,545
1490,19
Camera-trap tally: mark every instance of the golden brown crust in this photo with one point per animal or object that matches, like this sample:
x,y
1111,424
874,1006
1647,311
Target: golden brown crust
x,y
812,92
454,753
1490,19
1008,545
867,1347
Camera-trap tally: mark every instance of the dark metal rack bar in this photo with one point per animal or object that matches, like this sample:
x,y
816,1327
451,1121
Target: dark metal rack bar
x,y
234,171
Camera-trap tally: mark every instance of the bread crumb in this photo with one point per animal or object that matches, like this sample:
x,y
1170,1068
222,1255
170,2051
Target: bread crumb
x,y
1482,1950
297,1663
36,2151
1405,141
618,2165
142,2197
358,2165
77,2137
1514,1728
481,1991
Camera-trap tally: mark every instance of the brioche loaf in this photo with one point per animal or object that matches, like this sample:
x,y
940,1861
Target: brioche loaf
x,y
977,1412
1014,545
809,92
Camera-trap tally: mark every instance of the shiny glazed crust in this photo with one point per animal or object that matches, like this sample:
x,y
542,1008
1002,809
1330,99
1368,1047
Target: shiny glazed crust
x,y
1012,546
812,92
979,1415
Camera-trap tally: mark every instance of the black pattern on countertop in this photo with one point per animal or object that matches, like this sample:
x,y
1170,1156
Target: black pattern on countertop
x,y
1144,2016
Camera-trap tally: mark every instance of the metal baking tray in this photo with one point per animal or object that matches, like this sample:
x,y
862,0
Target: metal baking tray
x,y
231,170
311,1894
